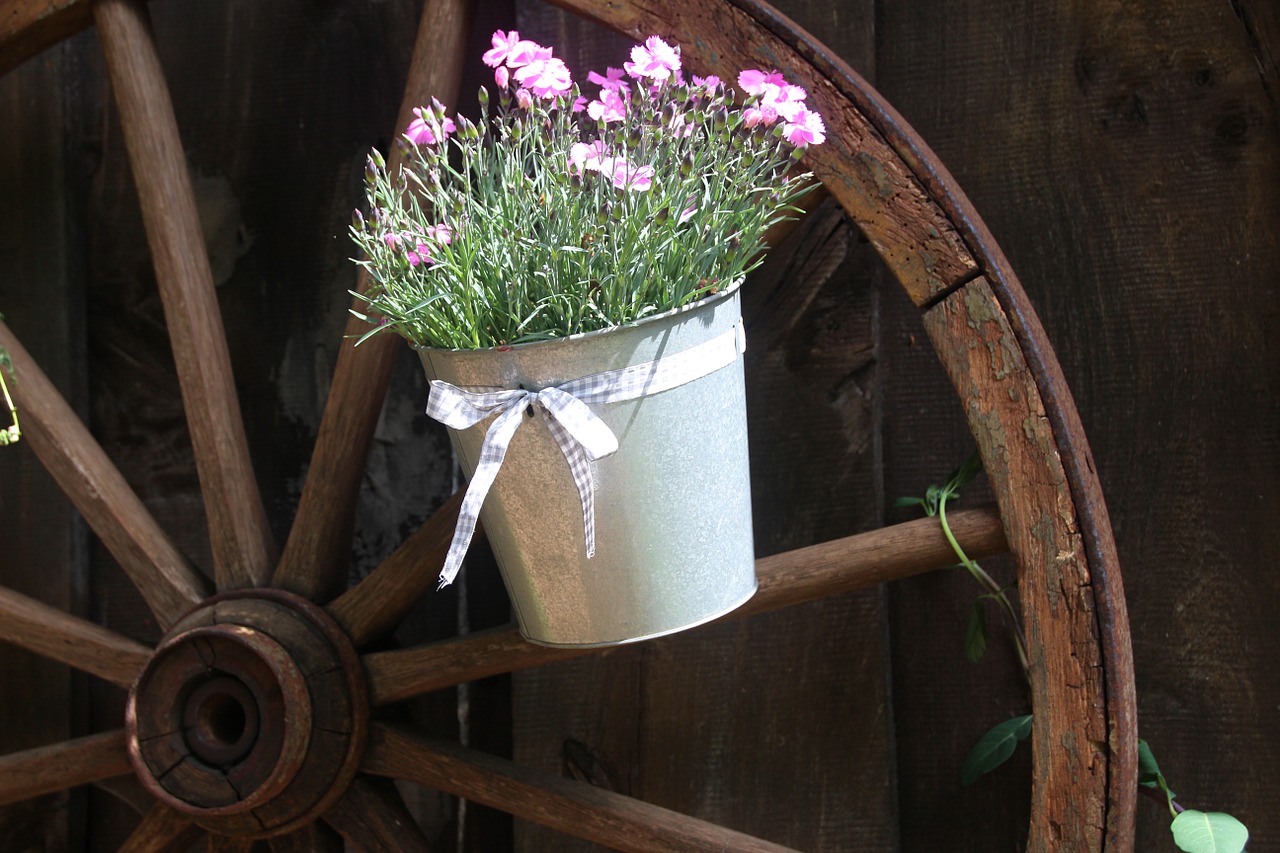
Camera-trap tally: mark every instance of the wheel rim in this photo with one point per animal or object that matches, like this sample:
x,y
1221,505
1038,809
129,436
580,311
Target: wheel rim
x,y
968,286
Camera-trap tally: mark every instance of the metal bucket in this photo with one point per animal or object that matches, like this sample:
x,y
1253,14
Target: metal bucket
x,y
673,505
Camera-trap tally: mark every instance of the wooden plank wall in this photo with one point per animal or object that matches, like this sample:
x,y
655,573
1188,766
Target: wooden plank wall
x,y
41,287
1127,158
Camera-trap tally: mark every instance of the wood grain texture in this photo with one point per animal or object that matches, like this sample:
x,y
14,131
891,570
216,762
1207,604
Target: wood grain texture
x,y
81,468
243,549
43,545
371,815
805,574
63,765
50,632
1071,738
315,838
312,563
28,27
1128,169
572,807
375,606
162,830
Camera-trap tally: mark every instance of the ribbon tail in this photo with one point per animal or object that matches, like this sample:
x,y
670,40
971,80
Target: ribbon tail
x,y
492,452
584,478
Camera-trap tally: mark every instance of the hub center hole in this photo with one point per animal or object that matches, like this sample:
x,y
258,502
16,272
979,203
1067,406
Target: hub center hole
x,y
220,721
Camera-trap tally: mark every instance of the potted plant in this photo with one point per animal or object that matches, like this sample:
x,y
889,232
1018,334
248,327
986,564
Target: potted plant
x,y
568,269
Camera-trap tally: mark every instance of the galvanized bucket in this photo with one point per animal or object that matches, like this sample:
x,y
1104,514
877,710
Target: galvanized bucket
x,y
673,526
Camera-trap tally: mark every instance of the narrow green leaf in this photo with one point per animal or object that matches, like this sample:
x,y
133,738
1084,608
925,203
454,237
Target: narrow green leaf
x,y
901,502
1148,771
975,638
994,748
965,473
1208,832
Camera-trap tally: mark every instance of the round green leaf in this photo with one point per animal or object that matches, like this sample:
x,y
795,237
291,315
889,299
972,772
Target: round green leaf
x,y
1209,832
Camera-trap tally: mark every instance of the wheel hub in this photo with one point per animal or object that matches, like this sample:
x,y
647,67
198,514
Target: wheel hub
x,y
251,716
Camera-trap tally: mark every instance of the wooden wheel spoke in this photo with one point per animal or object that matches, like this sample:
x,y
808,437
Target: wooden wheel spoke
x,y
76,642
376,605
313,838
569,806
59,766
243,552
161,830
313,563
29,26
99,491
806,574
372,814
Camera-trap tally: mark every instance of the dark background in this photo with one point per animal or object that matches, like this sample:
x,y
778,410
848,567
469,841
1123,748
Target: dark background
x,y
1125,155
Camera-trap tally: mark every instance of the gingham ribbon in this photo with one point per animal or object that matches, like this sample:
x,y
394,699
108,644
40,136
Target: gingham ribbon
x,y
581,436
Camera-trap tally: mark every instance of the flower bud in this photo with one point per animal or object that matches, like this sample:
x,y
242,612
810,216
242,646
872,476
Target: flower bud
x,y
483,96
357,220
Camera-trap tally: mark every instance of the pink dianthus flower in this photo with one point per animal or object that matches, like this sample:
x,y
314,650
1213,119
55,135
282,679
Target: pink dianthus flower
x,y
655,59
426,130
546,77
805,128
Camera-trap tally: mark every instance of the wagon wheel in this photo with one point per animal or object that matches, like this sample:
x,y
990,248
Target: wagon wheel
x,y
288,708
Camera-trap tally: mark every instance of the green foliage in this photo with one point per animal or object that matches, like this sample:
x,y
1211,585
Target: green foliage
x,y
9,434
934,504
1149,774
1208,832
975,637
1193,831
540,245
994,748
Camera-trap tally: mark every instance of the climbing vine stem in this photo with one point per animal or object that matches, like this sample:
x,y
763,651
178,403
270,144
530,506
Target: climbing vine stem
x,y
934,504
1193,831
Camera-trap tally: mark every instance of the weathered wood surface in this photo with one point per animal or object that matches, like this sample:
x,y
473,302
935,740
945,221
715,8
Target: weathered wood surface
x,y
57,635
312,563
40,292
803,575
376,605
242,545
46,769
28,27
1071,737
371,815
1128,170
99,491
571,806
1129,173
161,830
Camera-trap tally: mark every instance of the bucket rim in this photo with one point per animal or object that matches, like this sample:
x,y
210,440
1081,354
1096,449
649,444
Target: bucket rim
x,y
705,301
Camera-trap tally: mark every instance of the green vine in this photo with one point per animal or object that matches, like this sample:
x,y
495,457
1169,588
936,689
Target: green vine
x,y
1193,831
10,434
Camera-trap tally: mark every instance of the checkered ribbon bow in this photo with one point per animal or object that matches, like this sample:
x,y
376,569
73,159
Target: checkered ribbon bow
x,y
580,434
